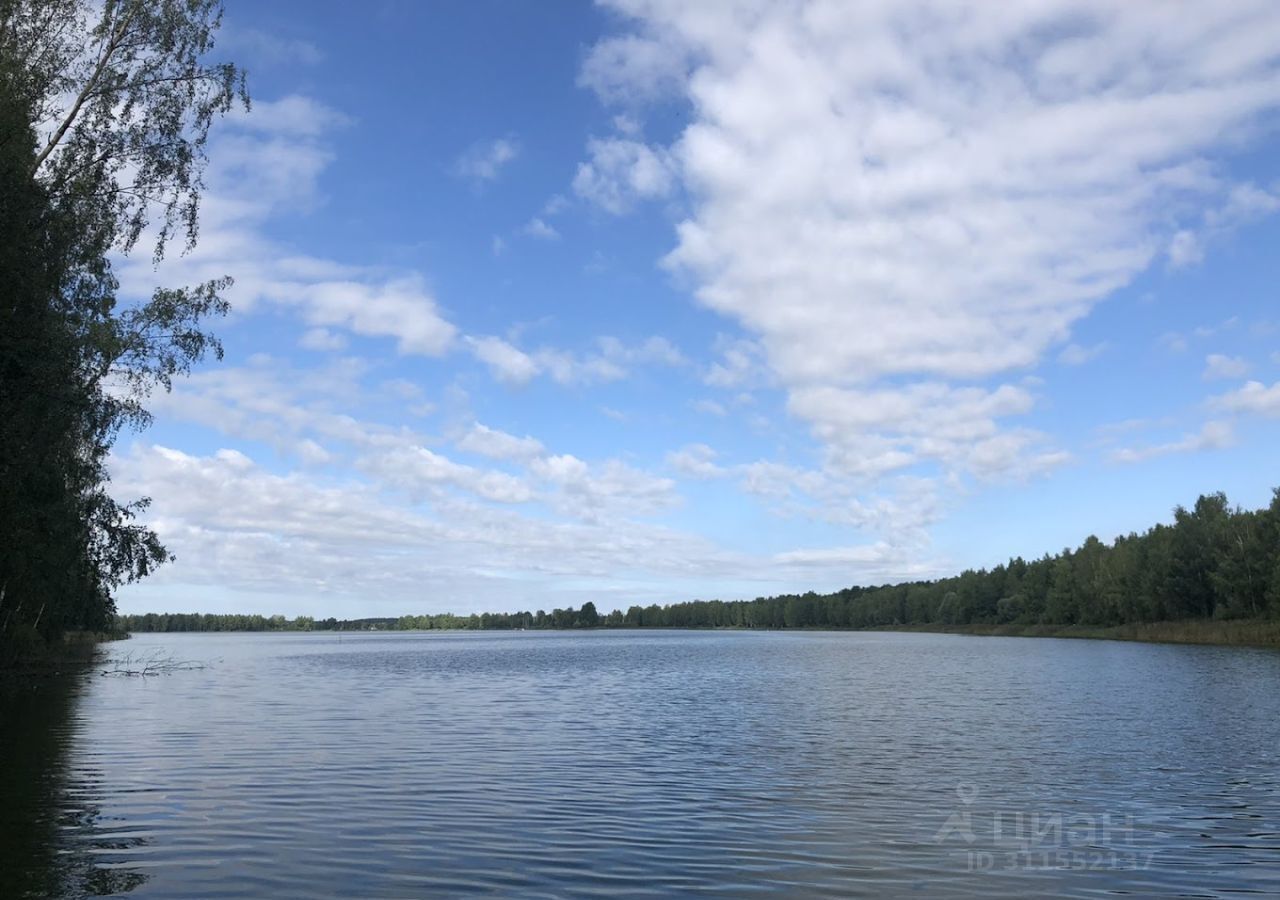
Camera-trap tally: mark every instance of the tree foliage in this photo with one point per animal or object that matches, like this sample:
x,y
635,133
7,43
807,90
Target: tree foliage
x,y
105,112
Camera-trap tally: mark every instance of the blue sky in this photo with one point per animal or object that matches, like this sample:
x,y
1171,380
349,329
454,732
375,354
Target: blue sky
x,y
538,303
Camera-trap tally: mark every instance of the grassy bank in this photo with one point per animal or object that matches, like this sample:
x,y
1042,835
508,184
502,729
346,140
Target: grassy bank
x,y
1226,632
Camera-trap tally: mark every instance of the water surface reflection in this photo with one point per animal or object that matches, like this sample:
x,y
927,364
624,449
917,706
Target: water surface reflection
x,y
52,831
643,763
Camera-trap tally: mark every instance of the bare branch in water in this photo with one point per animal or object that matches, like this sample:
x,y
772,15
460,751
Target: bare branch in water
x,y
154,663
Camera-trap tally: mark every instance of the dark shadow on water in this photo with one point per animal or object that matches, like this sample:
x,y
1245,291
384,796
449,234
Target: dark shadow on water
x,y
50,833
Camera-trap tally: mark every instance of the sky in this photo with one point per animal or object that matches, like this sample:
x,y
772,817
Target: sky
x,y
650,301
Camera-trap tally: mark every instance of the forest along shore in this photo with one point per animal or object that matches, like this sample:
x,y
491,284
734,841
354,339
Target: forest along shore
x,y
1239,633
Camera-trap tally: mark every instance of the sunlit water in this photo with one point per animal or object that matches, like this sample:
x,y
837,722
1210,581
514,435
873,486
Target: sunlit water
x,y
659,763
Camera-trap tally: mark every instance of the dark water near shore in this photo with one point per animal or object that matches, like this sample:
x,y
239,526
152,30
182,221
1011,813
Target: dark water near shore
x,y
658,763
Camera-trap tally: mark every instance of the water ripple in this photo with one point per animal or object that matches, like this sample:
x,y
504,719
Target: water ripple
x,y
659,764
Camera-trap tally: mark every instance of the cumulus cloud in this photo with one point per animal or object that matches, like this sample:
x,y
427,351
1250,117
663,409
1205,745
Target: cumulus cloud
x,y
906,201
485,160
1244,203
538,228
1185,249
508,363
869,432
594,492
286,408
402,309
382,514
1254,397
741,364
317,545
236,526
900,509
498,444
637,68
654,351
1218,365
422,472
695,461
611,361
295,115
620,172
304,414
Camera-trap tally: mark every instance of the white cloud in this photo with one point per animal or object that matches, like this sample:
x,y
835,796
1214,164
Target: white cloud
x,y
621,172
293,115
1255,397
497,444
610,489
418,530
485,160
307,540
1185,249
264,48
302,413
612,362
835,555
741,364
906,201
654,350
421,472
632,69
402,309
695,461
321,339
567,368
556,204
871,432
1216,365
537,228
508,363
1244,203
286,408
311,453
900,509
1213,435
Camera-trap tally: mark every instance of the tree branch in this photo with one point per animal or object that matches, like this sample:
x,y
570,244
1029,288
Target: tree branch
x,y
107,51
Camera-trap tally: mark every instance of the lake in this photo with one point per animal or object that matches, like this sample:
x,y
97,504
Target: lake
x,y
630,763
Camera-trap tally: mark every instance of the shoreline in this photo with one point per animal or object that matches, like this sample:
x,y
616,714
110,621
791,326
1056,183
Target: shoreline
x,y
76,653
1209,632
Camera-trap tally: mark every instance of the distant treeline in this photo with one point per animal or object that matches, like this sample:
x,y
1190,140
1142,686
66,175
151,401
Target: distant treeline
x,y
1213,562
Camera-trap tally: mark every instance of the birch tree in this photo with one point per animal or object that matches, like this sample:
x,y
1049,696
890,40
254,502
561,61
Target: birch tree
x,y
105,114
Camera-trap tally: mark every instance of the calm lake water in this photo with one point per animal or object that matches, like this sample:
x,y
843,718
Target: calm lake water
x,y
648,763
